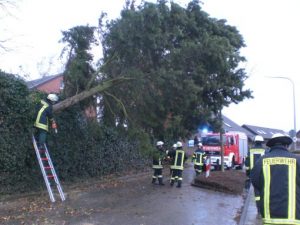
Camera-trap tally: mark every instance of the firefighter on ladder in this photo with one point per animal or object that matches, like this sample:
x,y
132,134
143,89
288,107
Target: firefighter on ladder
x,y
254,154
199,158
157,166
177,160
43,115
277,177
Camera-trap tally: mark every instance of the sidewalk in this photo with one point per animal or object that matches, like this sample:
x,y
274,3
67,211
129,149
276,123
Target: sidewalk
x,y
249,214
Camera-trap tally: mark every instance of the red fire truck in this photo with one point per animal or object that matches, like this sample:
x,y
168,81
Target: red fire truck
x,y
235,145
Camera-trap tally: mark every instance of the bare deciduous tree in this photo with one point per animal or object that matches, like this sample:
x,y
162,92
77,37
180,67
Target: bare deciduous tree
x,y
5,10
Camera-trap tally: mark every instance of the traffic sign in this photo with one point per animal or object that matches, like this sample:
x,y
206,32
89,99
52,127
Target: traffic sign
x,y
294,139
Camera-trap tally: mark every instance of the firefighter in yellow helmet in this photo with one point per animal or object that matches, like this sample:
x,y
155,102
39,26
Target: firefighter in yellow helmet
x,y
276,176
177,160
43,117
157,166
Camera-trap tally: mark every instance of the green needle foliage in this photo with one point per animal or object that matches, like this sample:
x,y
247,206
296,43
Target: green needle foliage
x,y
79,71
185,67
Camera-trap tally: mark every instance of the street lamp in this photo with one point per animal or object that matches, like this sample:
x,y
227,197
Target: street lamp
x,y
294,105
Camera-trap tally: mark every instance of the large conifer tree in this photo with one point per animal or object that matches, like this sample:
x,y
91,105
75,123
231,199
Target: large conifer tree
x,y
185,65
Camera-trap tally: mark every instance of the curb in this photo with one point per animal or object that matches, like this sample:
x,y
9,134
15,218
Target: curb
x,y
246,206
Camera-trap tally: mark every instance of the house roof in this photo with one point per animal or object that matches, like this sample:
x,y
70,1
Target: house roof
x,y
35,83
265,132
229,125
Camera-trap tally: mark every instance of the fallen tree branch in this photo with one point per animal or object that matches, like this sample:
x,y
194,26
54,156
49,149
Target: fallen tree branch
x,y
85,94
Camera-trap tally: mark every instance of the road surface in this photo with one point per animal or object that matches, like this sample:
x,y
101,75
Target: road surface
x,y
130,200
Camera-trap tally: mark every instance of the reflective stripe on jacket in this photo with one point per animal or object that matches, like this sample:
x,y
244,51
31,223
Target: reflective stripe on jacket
x,y
157,164
255,154
277,177
43,114
198,158
157,159
178,160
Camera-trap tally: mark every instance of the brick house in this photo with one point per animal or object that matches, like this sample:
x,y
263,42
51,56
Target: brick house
x,y
55,84
48,84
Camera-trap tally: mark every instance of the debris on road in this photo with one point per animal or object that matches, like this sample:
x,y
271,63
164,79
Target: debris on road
x,y
229,181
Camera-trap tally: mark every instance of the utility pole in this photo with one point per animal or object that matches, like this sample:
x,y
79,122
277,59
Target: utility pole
x,y
221,141
294,108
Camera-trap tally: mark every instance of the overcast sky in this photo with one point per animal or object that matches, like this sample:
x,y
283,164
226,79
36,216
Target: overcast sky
x,y
270,29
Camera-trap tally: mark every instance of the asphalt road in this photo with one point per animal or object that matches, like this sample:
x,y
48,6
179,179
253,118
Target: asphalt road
x,y
130,200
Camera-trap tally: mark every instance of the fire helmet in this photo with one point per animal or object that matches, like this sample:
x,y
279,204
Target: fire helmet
x,y
279,139
159,143
179,144
258,138
52,97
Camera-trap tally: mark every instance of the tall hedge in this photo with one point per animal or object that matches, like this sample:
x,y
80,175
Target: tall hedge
x,y
80,149
15,129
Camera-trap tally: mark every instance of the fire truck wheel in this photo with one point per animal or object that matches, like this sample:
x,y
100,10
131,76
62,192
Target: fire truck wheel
x,y
241,166
232,163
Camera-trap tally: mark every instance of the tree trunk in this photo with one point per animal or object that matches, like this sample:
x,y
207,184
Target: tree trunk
x,y
85,94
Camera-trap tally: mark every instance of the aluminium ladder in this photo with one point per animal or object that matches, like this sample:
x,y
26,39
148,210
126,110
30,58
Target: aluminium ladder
x,y
48,170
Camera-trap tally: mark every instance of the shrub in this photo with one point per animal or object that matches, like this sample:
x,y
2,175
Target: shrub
x,y
81,149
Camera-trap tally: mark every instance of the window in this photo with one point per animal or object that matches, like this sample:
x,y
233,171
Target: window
x,y
228,125
62,85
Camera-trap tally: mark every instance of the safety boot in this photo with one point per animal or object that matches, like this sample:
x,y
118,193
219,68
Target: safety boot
x,y
41,148
153,180
172,182
179,184
160,181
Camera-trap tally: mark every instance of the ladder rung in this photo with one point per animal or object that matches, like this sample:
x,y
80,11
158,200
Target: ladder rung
x,y
47,170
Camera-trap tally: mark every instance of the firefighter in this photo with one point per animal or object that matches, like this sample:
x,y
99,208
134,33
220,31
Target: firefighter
x,y
174,146
168,158
157,166
276,176
254,154
43,116
199,158
177,160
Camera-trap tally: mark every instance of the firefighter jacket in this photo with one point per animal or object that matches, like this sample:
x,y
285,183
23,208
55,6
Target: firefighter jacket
x,y
177,158
276,176
199,157
43,115
254,154
158,157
